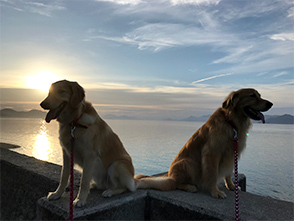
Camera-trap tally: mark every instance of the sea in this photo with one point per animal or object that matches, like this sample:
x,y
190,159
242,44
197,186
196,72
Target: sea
x,y
267,160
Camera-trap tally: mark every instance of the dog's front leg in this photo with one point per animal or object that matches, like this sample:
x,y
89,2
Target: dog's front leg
x,y
63,179
210,168
85,182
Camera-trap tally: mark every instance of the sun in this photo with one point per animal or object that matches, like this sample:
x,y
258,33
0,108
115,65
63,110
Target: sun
x,y
41,80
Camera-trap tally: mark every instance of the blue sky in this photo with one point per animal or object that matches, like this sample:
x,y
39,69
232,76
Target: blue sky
x,y
148,59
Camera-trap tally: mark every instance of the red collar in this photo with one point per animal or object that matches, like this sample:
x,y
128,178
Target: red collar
x,y
76,124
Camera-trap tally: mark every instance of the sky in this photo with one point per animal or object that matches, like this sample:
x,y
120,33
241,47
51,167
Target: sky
x,y
149,59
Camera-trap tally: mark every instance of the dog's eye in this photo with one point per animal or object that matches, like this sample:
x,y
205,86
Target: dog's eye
x,y
60,91
252,95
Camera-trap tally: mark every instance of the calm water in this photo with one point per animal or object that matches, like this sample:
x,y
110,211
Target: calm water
x,y
267,162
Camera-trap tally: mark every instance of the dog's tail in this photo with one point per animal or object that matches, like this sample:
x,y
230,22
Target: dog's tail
x,y
164,182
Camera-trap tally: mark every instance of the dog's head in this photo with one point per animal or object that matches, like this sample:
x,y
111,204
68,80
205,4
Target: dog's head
x,y
247,102
62,95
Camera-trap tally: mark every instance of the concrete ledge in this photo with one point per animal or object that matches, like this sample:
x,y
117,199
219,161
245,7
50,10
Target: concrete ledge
x,y
128,206
24,180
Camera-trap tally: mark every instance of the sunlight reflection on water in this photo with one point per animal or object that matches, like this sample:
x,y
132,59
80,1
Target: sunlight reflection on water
x,y
42,148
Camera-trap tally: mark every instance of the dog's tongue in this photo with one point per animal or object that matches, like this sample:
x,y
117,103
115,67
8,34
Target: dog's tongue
x,y
261,117
52,114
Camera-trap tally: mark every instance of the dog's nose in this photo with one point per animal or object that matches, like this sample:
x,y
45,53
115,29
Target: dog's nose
x,y
269,104
44,105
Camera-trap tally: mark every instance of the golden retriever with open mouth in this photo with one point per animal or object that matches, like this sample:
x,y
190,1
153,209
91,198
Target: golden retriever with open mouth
x,y
97,149
209,154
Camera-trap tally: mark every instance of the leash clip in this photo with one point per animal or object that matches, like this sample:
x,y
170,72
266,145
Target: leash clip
x,y
235,135
72,131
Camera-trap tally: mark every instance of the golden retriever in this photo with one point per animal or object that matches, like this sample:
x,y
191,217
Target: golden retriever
x,y
209,154
97,149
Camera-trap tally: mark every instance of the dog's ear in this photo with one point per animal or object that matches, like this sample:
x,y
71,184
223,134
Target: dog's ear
x,y
231,100
78,94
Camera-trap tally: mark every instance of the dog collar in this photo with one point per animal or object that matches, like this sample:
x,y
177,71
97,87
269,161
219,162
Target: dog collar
x,y
76,124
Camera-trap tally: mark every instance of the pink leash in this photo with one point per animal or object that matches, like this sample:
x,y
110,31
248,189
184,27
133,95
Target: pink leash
x,y
235,166
74,125
236,176
72,139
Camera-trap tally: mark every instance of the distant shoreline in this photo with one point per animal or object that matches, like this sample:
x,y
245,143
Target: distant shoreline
x,y
10,113
8,146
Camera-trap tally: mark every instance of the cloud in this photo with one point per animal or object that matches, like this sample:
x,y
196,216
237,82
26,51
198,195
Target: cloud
x,y
212,77
178,102
280,74
283,37
122,2
34,7
291,12
173,2
196,2
234,56
159,36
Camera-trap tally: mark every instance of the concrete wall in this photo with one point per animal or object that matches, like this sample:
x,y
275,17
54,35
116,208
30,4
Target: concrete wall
x,y
26,181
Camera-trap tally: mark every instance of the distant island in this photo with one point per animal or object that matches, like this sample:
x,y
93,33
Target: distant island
x,y
10,113
283,119
270,119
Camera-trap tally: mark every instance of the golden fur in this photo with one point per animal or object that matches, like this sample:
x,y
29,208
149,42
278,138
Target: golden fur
x,y
209,154
97,149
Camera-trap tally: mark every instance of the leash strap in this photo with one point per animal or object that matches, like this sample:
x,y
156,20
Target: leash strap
x,y
72,139
74,125
236,176
236,142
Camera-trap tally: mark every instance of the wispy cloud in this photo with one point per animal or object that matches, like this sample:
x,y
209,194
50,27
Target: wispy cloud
x,y
196,2
283,36
159,36
291,12
280,74
34,7
178,102
234,56
212,77
122,2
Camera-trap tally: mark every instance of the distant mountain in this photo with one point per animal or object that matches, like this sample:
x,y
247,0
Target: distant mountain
x,y
115,117
284,119
10,113
270,119
203,118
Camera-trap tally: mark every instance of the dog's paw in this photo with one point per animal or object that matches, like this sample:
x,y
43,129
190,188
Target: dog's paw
x,y
230,186
218,194
107,193
53,196
79,202
187,188
191,188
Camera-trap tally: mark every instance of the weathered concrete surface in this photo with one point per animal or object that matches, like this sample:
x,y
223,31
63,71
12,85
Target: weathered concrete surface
x,y
171,205
127,206
252,207
24,180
